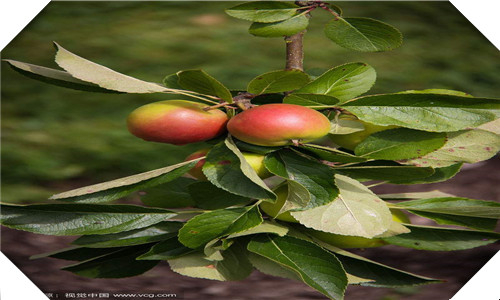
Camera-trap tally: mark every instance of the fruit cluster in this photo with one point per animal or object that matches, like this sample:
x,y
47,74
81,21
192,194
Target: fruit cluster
x,y
182,122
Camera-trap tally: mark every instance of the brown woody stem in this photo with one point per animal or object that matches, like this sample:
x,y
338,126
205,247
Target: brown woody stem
x,y
294,52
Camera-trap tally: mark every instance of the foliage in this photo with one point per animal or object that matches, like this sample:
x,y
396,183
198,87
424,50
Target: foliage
x,y
219,232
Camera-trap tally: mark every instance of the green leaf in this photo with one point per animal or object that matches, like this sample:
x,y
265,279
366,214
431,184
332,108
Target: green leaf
x,y
344,125
119,264
104,77
154,233
227,169
417,195
363,34
332,154
234,266
471,222
264,227
172,81
277,81
364,172
272,268
442,239
77,253
254,148
316,267
210,225
429,112
311,100
382,275
172,194
199,81
208,196
440,174
118,188
343,82
279,29
55,77
437,91
315,177
357,211
400,143
468,146
165,250
75,219
493,126
454,206
263,11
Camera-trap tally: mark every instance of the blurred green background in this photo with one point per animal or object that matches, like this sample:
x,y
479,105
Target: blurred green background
x,y
54,139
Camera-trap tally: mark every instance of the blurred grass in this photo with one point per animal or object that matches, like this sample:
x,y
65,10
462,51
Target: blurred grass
x,y
55,138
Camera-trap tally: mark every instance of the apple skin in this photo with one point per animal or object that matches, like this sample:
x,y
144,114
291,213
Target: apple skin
x,y
351,140
272,209
347,241
177,122
278,124
256,161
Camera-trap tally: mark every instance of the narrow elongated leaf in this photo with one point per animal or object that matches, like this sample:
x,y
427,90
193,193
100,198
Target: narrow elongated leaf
x,y
208,226
311,100
208,196
77,253
470,222
440,174
429,112
227,169
400,143
468,146
119,264
315,177
332,154
386,173
442,239
76,219
55,77
154,233
104,77
417,195
199,81
316,267
165,250
118,188
277,81
380,274
437,91
263,11
172,194
363,34
281,28
357,211
234,265
454,206
343,82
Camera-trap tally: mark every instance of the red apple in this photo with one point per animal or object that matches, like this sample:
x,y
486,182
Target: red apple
x,y
278,125
177,122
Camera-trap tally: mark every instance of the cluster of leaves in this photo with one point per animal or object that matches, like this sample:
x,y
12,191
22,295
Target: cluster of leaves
x,y
214,229
278,19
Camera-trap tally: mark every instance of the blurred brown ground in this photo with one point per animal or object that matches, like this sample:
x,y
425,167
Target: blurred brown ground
x,y
479,182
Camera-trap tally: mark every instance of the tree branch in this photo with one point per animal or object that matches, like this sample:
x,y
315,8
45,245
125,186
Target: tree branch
x,y
294,52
